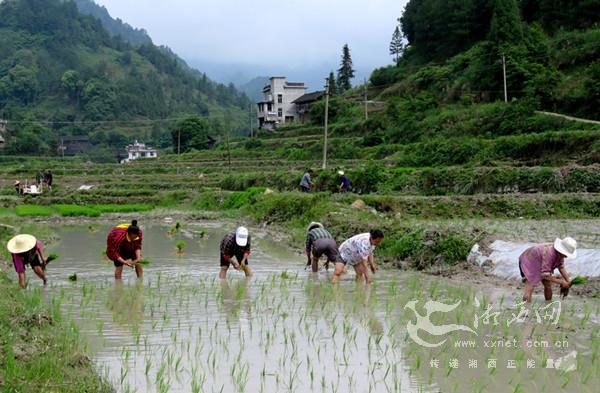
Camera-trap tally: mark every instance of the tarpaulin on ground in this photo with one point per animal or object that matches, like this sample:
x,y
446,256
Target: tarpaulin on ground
x,y
501,258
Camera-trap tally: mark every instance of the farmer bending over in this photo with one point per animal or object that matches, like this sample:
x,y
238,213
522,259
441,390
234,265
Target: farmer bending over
x,y
27,250
124,247
537,264
235,244
318,242
358,252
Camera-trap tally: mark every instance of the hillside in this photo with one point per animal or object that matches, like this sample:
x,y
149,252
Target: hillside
x,y
115,27
62,73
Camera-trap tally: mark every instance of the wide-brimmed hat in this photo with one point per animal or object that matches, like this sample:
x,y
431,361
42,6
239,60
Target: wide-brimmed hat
x,y
241,236
566,246
341,173
21,243
314,225
17,182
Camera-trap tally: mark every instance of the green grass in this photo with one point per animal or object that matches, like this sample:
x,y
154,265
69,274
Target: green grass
x,y
5,211
70,210
74,210
129,208
33,211
40,351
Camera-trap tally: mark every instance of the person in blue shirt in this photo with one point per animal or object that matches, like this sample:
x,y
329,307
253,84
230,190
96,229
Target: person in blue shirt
x,y
345,184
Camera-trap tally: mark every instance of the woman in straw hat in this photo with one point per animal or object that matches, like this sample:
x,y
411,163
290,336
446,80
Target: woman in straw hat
x,y
537,264
27,250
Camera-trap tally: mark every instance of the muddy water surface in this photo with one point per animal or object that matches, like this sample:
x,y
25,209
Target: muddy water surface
x,y
180,329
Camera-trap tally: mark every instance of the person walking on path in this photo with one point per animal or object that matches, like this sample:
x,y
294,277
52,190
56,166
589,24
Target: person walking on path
x,y
27,250
345,184
306,182
537,264
236,244
124,247
358,252
319,242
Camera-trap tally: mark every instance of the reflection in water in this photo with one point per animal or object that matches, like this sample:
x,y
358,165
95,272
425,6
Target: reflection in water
x,y
126,303
235,296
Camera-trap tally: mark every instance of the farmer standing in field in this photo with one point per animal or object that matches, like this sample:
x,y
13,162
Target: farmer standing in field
x,y
537,264
306,182
27,250
318,242
236,244
124,247
48,178
358,252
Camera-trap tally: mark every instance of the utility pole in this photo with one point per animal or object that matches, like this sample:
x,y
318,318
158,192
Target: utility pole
x,y
178,148
250,114
366,105
504,74
227,136
326,121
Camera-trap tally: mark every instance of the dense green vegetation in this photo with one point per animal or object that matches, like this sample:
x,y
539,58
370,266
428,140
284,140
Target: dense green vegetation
x,y
455,49
63,74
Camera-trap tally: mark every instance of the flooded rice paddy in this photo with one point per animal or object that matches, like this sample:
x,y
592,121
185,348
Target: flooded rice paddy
x,y
181,329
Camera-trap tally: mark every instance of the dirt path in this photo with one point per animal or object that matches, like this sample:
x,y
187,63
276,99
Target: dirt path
x,y
569,117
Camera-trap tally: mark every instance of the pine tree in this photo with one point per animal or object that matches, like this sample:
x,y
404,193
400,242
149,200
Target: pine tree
x,y
332,85
506,26
396,45
345,73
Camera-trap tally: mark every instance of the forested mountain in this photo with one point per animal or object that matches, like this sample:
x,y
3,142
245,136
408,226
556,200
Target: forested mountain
x,y
115,27
253,88
62,73
456,48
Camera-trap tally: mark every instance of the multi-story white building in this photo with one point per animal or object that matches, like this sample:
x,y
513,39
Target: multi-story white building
x,y
277,106
139,150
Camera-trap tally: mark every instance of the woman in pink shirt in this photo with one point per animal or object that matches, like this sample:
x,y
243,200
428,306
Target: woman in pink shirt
x,y
27,250
537,264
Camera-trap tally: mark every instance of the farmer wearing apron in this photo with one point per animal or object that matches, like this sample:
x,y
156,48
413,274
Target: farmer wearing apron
x,y
537,264
124,247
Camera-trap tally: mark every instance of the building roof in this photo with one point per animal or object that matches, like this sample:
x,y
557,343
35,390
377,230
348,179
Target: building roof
x,y
309,97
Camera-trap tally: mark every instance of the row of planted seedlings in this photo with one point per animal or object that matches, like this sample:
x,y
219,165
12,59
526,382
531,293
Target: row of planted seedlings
x,y
286,331
298,334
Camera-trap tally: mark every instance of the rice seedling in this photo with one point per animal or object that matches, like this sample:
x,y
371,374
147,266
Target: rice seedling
x,y
73,277
52,257
578,280
180,245
144,262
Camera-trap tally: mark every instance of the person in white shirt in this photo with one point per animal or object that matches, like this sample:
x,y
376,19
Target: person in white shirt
x,y
358,252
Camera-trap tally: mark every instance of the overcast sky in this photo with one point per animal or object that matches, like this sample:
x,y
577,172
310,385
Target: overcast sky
x,y
286,33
